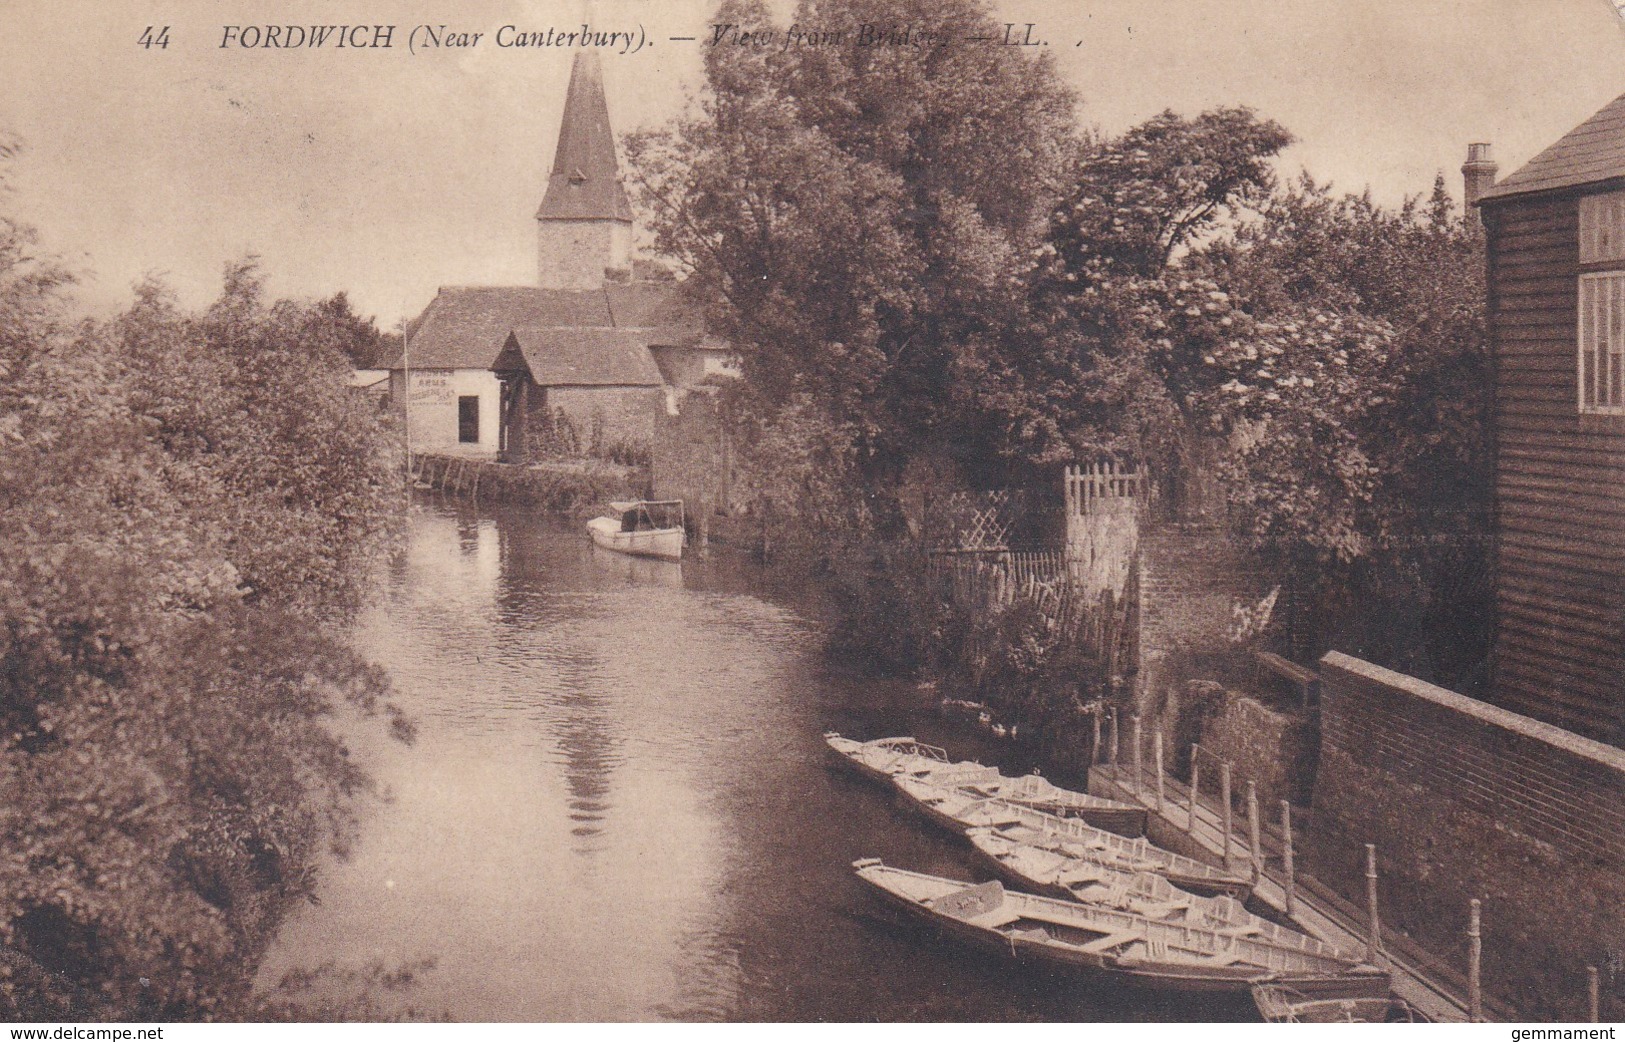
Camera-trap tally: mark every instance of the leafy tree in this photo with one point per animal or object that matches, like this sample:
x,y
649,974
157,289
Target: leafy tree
x,y
187,504
856,216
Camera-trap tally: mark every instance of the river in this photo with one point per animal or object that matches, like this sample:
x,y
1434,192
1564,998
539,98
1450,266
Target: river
x,y
620,806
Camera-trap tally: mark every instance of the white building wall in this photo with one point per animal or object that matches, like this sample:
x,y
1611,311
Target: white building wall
x,y
432,406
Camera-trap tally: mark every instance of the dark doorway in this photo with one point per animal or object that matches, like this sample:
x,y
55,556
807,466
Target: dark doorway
x,y
468,418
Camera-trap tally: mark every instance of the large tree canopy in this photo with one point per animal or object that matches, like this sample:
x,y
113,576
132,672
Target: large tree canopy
x,y
859,217
189,504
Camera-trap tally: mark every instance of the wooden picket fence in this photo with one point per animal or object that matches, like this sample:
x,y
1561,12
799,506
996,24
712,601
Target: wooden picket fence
x,y
1098,487
1104,626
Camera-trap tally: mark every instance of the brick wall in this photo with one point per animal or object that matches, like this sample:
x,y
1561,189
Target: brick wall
x,y
1192,576
1467,800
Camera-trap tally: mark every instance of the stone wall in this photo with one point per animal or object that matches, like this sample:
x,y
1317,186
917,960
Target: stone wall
x,y
692,459
609,417
1465,800
1273,749
575,254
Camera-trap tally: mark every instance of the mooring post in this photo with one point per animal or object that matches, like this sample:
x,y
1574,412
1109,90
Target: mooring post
x,y
1196,785
1156,755
1373,944
1593,1005
1224,798
1253,832
1094,749
1138,754
1475,958
1286,854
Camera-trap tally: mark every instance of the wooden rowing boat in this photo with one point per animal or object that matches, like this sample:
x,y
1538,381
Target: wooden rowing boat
x,y
896,759
883,758
1049,874
1291,1003
1039,793
1068,935
961,811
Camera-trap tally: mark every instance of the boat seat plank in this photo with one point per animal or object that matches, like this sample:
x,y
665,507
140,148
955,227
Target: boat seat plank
x,y
1109,942
996,918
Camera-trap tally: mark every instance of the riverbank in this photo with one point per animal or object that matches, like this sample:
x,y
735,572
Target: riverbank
x,y
569,489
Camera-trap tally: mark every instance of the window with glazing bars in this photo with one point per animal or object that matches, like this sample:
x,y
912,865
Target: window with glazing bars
x,y
1602,342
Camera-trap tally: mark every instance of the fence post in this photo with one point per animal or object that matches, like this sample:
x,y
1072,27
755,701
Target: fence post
x,y
1286,855
1475,956
1156,754
1593,1006
1373,944
1253,832
1196,786
1228,811
1138,754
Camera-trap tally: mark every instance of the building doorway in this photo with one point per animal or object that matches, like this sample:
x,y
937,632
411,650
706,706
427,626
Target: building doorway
x,y
468,419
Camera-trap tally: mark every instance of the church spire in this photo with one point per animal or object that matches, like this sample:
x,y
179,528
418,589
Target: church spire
x,y
585,183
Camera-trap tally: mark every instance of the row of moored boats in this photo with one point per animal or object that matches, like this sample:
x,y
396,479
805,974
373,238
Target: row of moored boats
x,y
1094,894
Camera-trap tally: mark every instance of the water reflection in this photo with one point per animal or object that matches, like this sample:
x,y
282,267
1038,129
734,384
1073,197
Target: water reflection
x,y
619,808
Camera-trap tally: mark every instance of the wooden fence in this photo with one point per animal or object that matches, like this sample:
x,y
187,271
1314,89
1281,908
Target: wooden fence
x,y
1103,626
1099,487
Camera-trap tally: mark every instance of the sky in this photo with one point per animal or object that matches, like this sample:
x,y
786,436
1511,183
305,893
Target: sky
x,y
387,173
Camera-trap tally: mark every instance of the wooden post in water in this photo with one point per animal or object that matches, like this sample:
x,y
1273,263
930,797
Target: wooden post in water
x,y
1253,832
1094,749
1139,753
1373,944
1475,957
1156,755
1196,785
1593,1006
1224,798
1113,749
1290,883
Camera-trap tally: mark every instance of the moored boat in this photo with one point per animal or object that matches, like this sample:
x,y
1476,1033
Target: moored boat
x,y
1066,934
961,811
1286,1002
1039,793
899,759
882,758
643,528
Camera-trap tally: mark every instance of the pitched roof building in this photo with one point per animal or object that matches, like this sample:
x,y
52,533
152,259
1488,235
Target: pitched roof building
x,y
446,372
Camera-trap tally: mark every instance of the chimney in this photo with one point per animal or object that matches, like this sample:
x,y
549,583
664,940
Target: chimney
x,y
1477,175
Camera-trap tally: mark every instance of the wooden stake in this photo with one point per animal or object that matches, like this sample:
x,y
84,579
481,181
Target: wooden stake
x,y
1156,754
1196,785
1475,956
1593,1006
1227,810
1373,944
1253,832
1139,759
1286,855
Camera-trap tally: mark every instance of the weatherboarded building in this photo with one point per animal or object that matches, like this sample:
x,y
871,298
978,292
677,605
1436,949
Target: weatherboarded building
x,y
1556,245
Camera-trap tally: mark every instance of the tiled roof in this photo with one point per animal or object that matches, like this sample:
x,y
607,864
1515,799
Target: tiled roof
x,y
585,183
465,326
1591,152
573,356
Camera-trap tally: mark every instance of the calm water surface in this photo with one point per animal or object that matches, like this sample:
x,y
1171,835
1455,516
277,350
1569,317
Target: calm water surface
x,y
619,806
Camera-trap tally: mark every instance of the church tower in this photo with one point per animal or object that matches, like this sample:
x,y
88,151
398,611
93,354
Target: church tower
x,y
585,221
